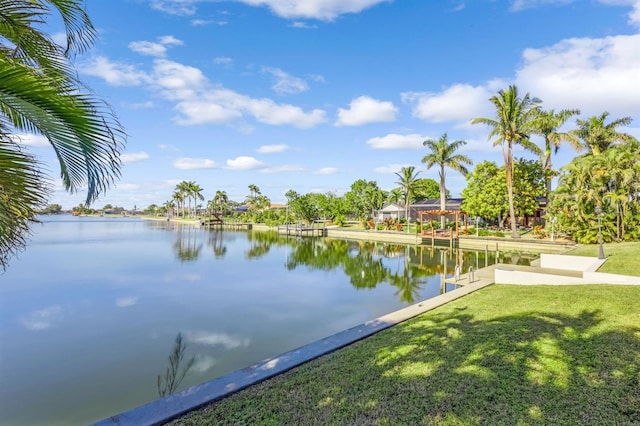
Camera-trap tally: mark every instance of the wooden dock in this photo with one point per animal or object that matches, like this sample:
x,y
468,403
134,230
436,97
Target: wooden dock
x,y
302,231
214,223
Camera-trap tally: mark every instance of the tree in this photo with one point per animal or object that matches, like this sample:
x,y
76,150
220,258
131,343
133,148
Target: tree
x,y
610,180
364,197
597,137
485,195
444,155
428,189
516,118
41,93
407,177
548,124
220,202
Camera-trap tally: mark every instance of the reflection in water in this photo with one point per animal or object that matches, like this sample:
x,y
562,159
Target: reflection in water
x,y
216,242
368,264
187,246
174,375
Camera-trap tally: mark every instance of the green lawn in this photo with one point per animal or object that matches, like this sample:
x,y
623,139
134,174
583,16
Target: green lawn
x,y
505,355
622,258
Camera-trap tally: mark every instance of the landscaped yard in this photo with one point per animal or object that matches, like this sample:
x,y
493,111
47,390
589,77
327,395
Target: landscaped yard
x,y
622,258
503,355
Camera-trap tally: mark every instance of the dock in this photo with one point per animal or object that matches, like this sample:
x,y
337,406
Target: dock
x,y
302,231
236,226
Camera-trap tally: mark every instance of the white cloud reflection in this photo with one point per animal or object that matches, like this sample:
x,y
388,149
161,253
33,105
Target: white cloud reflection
x,y
42,319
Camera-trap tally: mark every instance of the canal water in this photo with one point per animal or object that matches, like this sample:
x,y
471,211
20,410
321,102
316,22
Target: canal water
x,y
90,311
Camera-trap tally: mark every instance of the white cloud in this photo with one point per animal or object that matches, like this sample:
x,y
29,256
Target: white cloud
x,y
148,48
200,103
175,7
390,169
364,109
29,139
326,171
158,49
114,73
460,102
42,319
299,24
244,163
324,10
286,84
269,149
125,302
519,5
185,163
396,141
223,60
168,147
127,186
283,168
594,75
213,339
203,363
132,157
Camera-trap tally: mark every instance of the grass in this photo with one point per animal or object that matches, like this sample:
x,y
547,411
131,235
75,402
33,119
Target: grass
x,y
622,258
505,355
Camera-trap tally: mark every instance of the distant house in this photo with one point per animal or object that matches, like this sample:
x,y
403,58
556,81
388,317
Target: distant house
x,y
452,204
390,211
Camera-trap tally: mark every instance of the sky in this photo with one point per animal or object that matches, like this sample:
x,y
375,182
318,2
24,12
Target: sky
x,y
312,95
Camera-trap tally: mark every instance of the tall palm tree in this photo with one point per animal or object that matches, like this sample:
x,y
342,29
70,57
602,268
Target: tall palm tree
x,y
407,177
195,192
516,118
41,93
597,136
220,201
548,124
444,155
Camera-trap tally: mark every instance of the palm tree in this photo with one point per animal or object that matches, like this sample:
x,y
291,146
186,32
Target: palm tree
x,y
395,195
548,124
41,93
195,192
516,118
597,137
443,154
407,181
178,197
220,201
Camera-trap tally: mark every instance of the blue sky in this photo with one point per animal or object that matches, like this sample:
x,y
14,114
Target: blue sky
x,y
312,95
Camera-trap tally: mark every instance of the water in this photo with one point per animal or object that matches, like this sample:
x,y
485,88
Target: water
x,y
89,313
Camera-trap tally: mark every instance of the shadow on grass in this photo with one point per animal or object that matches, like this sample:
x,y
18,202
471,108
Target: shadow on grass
x,y
451,367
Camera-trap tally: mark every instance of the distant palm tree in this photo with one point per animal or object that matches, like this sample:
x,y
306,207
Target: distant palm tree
x,y
407,181
395,195
516,118
548,124
444,155
597,137
195,191
220,201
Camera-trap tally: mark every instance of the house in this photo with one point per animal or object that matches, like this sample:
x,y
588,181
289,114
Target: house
x,y
390,211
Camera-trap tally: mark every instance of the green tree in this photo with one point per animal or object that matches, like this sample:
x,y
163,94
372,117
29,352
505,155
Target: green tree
x,y
364,197
529,185
428,189
485,195
610,180
407,178
597,136
40,93
548,124
443,154
516,118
